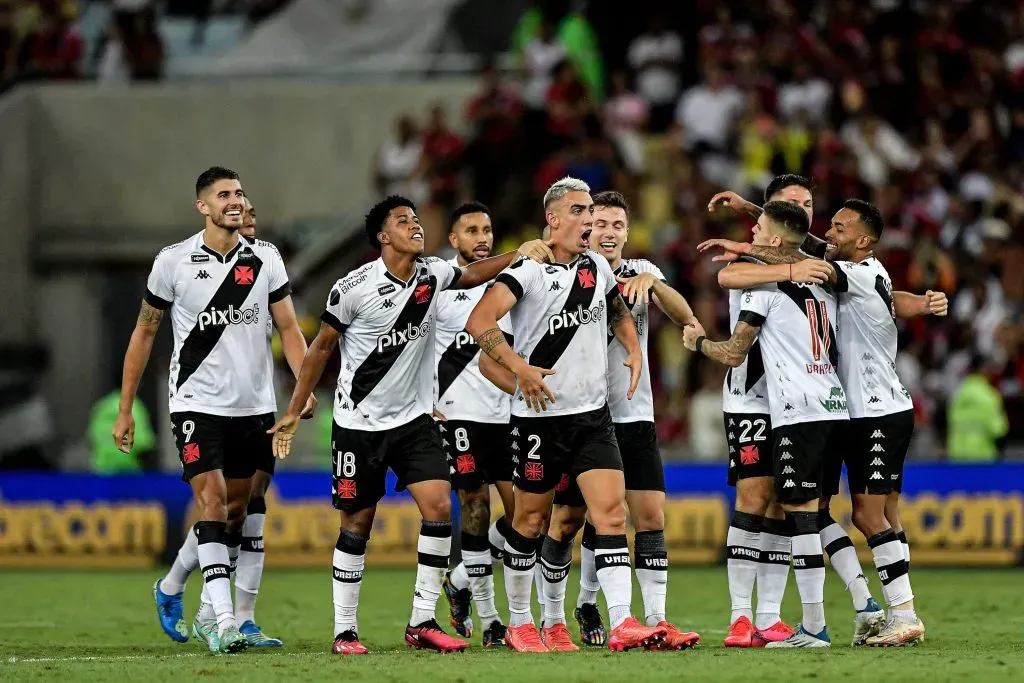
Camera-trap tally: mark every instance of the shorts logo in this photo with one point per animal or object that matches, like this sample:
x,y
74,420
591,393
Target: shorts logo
x,y
786,455
534,471
514,446
732,437
788,470
243,275
785,441
808,484
876,475
423,293
190,453
586,278
346,488
749,455
384,290
789,484
563,483
515,431
877,448
732,423
877,462
877,434
465,463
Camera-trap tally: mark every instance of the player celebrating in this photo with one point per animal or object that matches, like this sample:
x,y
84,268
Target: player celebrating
x,y
559,323
474,433
882,416
382,316
639,281
808,407
222,291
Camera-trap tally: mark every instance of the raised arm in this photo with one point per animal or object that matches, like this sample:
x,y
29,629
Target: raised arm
x,y
731,352
671,302
743,275
734,202
140,346
908,305
485,270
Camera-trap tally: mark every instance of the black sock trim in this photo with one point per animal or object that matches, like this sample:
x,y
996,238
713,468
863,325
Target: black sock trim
x,y
609,542
478,570
808,562
902,535
474,543
501,524
211,532
347,575
824,518
521,544
649,542
890,572
775,557
233,539
589,534
435,561
351,543
655,562
837,545
745,521
257,506
883,537
556,553
776,527
436,529
608,560
742,552
801,523
252,544
212,572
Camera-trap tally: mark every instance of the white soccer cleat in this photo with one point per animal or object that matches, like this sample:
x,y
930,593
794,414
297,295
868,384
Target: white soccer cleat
x,y
802,638
868,622
898,632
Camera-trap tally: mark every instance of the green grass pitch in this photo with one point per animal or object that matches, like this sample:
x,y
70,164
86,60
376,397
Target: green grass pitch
x,y
102,626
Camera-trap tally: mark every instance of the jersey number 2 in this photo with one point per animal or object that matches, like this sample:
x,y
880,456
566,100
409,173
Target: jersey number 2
x,y
817,318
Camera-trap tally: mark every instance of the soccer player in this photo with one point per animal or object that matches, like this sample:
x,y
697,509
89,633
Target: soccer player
x,y
640,281
382,316
882,417
475,432
560,315
793,325
223,291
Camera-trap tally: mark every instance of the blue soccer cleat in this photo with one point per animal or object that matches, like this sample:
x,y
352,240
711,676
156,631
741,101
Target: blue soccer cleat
x,y
256,637
169,610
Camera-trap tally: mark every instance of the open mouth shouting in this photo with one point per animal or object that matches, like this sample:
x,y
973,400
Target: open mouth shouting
x,y
585,238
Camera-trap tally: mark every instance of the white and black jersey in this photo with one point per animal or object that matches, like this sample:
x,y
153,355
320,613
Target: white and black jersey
x,y
745,390
220,317
560,323
641,407
386,375
867,345
799,350
460,391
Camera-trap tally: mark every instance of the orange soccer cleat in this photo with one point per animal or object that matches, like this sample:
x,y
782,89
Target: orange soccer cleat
x,y
676,639
557,639
631,633
741,633
524,638
775,633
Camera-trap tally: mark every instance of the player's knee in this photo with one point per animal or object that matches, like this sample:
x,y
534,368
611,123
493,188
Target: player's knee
x,y
437,509
651,519
530,524
869,519
609,520
566,523
236,510
753,499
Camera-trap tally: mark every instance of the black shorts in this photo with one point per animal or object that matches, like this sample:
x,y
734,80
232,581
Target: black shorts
x,y
237,446
361,460
874,450
798,455
641,463
478,453
550,452
750,445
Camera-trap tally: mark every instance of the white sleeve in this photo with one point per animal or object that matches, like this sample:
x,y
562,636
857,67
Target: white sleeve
x,y
446,274
646,266
607,273
522,277
160,285
279,285
341,309
756,304
855,278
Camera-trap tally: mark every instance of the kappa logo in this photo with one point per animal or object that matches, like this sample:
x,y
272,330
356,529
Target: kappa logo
x,y
876,475
874,399
732,422
808,484
785,441
877,448
786,455
462,296
586,278
788,470
244,275
877,462
788,407
514,446
387,303
384,290
732,436
203,275
515,431
877,434
581,316
555,287
737,392
790,484
231,316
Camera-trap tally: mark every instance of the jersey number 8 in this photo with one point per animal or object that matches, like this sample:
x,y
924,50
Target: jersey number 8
x,y
461,440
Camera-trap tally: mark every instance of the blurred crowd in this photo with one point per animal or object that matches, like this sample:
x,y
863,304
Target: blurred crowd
x,y
913,105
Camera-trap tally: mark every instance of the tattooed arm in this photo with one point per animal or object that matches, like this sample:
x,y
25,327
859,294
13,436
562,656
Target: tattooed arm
x,y
135,359
731,352
624,327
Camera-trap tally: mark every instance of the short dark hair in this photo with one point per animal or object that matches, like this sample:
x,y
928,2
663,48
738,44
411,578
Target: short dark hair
x,y
375,218
790,216
869,215
212,175
468,207
781,182
613,199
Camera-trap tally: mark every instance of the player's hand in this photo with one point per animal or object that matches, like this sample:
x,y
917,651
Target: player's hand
x,y
309,408
728,200
811,271
637,289
284,432
936,303
438,415
732,250
537,250
635,363
124,432
690,334
535,391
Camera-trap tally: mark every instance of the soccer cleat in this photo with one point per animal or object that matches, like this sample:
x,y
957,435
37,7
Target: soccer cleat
x,y
347,643
429,636
775,633
524,638
898,632
741,634
631,633
232,641
460,605
557,639
592,632
206,631
494,635
256,637
169,610
676,639
868,622
802,638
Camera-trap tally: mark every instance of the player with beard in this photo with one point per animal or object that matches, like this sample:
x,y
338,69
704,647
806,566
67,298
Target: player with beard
x,y
560,362
640,281
474,431
382,317
223,291
882,417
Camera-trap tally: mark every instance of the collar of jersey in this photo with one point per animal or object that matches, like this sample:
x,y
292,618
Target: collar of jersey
x,y
395,279
568,265
223,258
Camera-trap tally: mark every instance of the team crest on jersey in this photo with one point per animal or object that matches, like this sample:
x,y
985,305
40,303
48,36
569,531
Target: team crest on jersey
x,y
422,293
749,455
190,453
466,464
243,275
534,471
346,488
586,278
